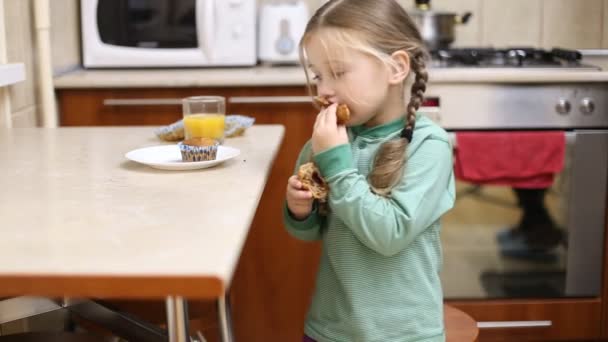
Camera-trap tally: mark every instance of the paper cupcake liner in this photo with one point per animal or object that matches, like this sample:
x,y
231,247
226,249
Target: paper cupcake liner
x,y
198,153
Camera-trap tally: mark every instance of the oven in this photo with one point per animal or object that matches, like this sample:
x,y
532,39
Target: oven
x,y
503,240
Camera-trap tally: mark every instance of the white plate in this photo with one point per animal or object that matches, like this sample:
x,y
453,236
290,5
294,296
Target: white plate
x,y
168,157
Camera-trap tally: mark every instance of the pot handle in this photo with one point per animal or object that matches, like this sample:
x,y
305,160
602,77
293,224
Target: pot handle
x,y
463,19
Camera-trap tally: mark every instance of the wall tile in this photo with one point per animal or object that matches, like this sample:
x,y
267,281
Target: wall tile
x,y
314,4
65,35
572,24
605,24
468,34
20,49
515,23
4,108
27,117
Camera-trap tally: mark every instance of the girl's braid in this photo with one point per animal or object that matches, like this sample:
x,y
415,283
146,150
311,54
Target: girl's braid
x,y
417,94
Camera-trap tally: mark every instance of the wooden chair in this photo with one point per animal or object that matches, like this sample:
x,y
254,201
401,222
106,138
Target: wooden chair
x,y
459,326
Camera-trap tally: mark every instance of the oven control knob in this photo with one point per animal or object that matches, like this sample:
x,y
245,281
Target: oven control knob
x,y
587,106
563,106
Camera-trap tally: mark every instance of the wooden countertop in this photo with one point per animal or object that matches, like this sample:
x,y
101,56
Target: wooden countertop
x,y
265,76
79,219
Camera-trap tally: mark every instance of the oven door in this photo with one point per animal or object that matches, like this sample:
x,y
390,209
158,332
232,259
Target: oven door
x,y
484,257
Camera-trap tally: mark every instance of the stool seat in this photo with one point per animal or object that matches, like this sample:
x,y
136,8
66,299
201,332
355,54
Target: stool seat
x,y
51,337
459,327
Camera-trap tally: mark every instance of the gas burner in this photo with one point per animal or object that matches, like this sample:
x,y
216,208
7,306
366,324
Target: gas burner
x,y
516,57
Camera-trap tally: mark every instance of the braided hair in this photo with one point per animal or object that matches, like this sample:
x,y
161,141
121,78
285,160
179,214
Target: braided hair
x,y
389,162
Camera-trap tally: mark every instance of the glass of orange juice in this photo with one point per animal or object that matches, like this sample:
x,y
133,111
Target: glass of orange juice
x,y
204,117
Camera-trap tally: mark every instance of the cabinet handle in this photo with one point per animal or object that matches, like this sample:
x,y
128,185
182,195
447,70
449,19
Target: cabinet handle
x,y
513,324
142,102
270,99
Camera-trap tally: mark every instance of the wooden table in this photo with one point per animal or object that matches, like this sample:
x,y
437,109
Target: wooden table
x,y
80,220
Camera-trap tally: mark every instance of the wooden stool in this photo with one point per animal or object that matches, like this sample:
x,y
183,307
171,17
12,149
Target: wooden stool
x,y
459,327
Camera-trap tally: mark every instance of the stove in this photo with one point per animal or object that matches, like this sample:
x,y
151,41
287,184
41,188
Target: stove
x,y
515,57
574,205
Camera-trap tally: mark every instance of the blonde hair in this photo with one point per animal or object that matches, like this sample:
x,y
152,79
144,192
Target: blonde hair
x,y
377,28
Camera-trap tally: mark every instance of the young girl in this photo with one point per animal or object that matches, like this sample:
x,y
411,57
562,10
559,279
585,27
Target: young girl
x,y
379,274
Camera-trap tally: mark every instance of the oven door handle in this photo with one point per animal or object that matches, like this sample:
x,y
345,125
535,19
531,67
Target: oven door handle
x,y
142,102
269,99
513,324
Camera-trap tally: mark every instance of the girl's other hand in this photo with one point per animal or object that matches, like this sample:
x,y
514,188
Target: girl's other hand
x,y
299,200
326,132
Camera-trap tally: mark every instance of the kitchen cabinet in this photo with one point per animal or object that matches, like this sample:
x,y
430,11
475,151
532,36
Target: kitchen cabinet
x,y
275,276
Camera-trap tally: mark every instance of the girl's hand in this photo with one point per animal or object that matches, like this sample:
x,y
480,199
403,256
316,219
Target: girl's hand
x,y
326,132
299,200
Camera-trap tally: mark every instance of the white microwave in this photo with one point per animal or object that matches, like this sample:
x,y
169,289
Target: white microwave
x,y
168,33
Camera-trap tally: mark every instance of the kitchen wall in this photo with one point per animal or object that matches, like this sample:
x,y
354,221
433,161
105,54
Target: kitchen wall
x,y
21,48
579,24
65,35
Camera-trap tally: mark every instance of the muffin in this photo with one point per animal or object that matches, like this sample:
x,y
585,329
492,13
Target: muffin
x,y
310,176
198,149
342,112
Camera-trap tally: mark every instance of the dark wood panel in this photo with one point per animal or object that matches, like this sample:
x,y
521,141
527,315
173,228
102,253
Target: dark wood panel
x,y
572,319
275,276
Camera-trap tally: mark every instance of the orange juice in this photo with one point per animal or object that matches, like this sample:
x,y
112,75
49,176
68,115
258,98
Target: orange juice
x,y
205,126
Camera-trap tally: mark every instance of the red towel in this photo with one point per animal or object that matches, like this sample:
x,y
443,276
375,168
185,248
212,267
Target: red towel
x,y
518,159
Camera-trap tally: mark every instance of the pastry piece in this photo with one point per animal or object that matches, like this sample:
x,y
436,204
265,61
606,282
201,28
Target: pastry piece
x,y
172,132
237,124
311,178
342,112
321,101
198,149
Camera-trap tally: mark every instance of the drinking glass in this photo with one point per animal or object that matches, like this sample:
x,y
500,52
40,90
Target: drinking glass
x,y
204,117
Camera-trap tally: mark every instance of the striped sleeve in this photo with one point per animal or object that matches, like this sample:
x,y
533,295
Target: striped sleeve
x,y
388,225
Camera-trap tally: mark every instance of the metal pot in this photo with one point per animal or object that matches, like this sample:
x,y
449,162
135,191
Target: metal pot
x,y
436,28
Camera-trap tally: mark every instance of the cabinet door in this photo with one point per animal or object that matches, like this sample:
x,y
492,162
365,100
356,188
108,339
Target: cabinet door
x,y
120,107
535,320
275,276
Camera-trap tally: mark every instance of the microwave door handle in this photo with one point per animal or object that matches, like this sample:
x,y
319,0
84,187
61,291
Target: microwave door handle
x,y
205,23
